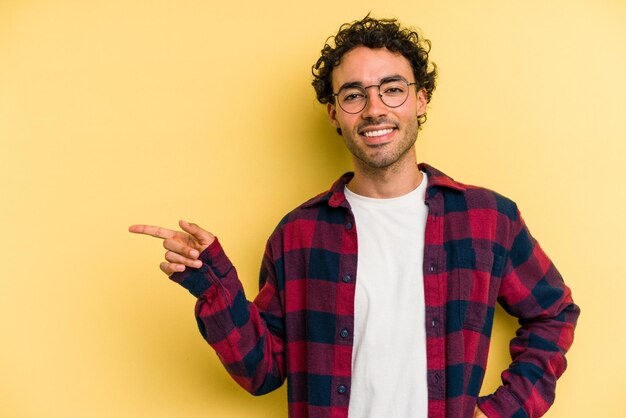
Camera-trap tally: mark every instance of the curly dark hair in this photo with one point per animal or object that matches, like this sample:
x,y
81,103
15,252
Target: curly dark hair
x,y
375,33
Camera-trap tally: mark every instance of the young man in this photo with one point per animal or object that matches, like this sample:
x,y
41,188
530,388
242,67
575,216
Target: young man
x,y
377,296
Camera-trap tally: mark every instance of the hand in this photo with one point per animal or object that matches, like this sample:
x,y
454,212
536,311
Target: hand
x,y
184,248
478,413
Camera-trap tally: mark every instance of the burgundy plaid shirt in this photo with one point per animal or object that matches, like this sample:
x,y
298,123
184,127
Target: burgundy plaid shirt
x,y
477,251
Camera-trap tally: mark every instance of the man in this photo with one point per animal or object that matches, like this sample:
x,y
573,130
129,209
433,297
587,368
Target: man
x,y
377,297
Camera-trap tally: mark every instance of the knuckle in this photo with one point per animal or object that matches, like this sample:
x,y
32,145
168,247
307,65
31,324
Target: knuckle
x,y
170,244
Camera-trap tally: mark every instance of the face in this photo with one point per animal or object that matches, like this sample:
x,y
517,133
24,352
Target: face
x,y
379,136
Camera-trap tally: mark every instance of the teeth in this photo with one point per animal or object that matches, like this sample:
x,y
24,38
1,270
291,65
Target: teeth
x,y
379,132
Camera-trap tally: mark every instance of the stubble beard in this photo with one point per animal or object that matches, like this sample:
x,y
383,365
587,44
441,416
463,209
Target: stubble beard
x,y
382,160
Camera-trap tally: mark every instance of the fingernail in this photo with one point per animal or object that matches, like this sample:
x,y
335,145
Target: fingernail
x,y
197,263
194,253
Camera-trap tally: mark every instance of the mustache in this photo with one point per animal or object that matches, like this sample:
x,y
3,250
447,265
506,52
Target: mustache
x,y
374,122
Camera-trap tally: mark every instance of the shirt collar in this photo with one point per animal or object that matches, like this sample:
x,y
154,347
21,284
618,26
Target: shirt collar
x,y
335,196
438,179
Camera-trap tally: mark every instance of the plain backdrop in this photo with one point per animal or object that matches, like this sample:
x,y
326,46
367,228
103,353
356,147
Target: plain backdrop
x,y
119,112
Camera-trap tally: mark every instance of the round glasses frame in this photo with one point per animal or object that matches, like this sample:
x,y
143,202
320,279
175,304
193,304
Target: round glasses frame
x,y
363,91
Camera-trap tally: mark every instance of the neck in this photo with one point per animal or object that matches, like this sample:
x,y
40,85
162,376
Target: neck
x,y
385,183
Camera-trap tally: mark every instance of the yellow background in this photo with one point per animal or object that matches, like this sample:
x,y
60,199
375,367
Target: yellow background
x,y
117,112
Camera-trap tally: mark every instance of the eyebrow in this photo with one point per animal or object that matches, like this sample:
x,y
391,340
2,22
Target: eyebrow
x,y
394,77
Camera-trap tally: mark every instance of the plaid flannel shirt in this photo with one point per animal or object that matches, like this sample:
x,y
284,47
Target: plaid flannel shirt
x,y
299,327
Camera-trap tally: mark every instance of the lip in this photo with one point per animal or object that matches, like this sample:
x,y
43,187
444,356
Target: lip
x,y
382,136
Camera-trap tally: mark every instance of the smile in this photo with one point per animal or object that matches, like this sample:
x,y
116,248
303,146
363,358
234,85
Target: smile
x,y
380,132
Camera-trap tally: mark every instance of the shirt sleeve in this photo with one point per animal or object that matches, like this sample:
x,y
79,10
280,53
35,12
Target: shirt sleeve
x,y
533,291
248,337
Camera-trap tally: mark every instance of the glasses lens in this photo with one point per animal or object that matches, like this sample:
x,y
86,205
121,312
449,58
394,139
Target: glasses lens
x,y
352,99
394,93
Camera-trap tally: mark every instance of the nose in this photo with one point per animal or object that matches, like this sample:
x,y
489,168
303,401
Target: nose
x,y
374,107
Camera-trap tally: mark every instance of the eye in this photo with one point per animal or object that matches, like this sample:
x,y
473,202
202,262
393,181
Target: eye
x,y
393,89
352,96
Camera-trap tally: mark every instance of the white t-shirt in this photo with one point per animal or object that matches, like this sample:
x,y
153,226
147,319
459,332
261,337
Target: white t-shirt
x,y
389,372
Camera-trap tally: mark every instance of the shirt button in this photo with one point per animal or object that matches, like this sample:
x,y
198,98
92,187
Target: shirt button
x,y
341,389
344,333
346,278
432,268
204,268
349,226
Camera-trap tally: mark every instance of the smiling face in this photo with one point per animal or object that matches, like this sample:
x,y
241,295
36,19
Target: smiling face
x,y
379,137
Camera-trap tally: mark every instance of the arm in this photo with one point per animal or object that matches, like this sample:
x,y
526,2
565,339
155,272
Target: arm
x,y
533,291
251,349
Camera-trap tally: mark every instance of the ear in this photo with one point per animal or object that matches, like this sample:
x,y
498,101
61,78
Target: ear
x,y
332,114
422,102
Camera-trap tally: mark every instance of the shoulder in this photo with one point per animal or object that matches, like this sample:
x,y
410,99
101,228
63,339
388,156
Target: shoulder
x,y
489,218
327,207
463,197
477,198
321,208
316,223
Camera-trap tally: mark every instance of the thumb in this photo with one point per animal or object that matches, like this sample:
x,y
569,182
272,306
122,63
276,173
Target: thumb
x,y
205,238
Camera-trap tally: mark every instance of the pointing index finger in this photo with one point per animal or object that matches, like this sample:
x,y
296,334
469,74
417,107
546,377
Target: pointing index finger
x,y
152,230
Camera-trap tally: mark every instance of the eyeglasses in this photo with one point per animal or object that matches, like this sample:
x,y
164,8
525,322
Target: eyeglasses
x,y
393,93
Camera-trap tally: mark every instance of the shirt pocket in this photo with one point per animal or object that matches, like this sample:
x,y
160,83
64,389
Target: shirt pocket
x,y
479,271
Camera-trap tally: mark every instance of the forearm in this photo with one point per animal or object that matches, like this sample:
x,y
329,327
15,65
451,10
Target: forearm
x,y
538,360
533,291
232,325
